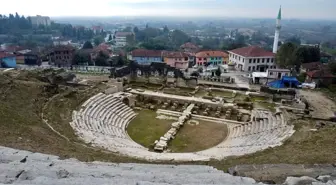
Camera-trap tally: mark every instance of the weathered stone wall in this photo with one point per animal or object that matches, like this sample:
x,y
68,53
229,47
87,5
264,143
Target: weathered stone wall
x,y
186,83
277,173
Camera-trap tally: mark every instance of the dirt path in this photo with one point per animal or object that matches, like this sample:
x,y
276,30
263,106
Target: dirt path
x,y
323,107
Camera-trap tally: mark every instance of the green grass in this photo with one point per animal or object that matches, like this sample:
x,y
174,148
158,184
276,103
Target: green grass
x,y
258,98
21,127
190,138
145,128
222,93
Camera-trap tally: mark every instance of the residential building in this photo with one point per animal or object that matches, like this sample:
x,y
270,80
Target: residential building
x,y
144,56
320,77
306,67
252,58
269,75
7,60
121,38
62,42
212,58
40,20
62,55
325,57
277,73
189,47
29,58
179,60
97,29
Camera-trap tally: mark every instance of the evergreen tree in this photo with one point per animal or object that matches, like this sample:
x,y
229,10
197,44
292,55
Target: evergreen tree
x,y
110,37
218,72
87,45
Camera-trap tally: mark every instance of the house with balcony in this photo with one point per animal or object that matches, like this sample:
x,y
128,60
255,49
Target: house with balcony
x,y
61,55
252,58
145,56
179,60
213,58
121,38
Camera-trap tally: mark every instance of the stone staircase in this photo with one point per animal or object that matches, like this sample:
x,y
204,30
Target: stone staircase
x,y
102,121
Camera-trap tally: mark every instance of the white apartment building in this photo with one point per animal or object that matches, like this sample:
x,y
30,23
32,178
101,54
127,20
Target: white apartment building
x,y
252,58
121,38
40,20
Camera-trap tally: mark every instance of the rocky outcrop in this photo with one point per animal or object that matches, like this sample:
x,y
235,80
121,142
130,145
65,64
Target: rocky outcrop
x,y
279,172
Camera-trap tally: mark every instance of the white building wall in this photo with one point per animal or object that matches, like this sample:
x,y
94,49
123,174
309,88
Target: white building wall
x,y
250,64
120,41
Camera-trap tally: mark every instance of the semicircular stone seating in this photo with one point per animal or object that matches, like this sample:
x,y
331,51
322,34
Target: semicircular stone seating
x,y
102,121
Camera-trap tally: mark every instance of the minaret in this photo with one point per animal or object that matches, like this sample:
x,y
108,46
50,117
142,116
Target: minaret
x,y
277,32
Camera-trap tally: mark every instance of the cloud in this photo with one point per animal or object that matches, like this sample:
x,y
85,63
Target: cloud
x,y
218,8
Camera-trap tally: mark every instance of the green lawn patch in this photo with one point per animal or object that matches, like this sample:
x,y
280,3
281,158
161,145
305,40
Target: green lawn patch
x,y
191,138
145,128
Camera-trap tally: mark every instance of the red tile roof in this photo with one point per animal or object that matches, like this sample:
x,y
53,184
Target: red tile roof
x,y
4,55
175,54
204,54
146,53
320,74
312,65
252,51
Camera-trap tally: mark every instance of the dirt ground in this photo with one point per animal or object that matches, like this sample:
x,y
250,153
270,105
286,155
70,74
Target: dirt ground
x,y
323,107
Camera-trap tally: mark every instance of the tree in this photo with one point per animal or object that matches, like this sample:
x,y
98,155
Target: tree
x,y
307,54
127,29
135,30
286,56
130,40
119,60
87,45
179,37
98,40
295,39
195,74
81,58
102,59
110,37
332,67
165,29
218,72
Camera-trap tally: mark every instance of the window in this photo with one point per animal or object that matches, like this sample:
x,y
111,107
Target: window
x,y
180,59
212,58
286,74
250,61
249,68
239,58
186,58
268,60
272,60
243,60
204,58
271,73
253,68
258,60
263,60
254,61
199,58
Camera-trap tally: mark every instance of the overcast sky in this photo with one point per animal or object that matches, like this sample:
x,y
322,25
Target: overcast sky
x,y
311,9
